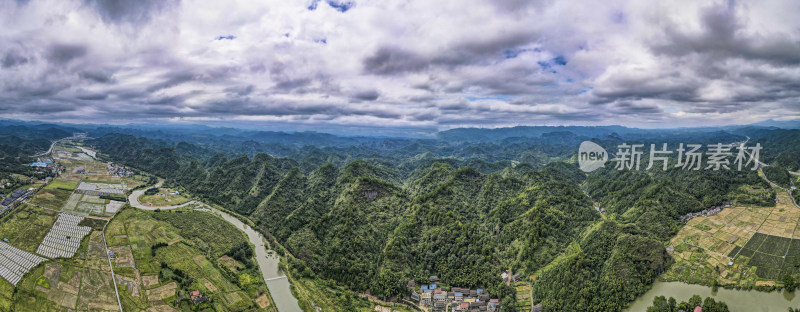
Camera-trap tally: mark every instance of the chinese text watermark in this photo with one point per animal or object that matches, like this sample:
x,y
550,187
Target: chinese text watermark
x,y
592,156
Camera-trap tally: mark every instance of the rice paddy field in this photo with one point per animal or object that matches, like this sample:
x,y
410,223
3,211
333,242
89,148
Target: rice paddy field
x,y
161,256
741,246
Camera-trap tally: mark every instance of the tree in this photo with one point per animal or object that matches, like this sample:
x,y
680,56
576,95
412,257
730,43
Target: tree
x,y
789,283
695,301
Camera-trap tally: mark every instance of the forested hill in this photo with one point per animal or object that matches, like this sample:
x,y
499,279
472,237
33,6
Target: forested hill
x,y
373,220
19,142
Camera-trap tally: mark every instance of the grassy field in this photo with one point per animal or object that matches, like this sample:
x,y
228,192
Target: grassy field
x,y
762,243
163,198
61,184
51,198
27,226
6,291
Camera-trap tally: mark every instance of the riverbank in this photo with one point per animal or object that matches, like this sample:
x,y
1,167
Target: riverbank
x,y
268,261
737,300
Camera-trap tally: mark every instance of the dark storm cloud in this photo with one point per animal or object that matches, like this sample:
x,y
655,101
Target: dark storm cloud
x,y
388,60
39,106
368,95
33,91
97,75
426,115
132,12
482,51
722,37
241,90
92,96
647,90
292,84
13,59
634,108
171,80
62,53
167,100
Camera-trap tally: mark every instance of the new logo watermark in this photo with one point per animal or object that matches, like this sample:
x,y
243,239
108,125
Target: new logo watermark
x,y
592,156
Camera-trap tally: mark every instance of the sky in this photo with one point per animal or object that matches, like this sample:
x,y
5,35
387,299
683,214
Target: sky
x,y
407,65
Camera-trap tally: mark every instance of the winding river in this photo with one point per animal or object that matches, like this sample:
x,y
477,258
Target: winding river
x,y
277,282
737,300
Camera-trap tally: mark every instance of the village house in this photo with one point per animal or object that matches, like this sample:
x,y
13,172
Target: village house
x,y
704,213
197,297
437,298
426,299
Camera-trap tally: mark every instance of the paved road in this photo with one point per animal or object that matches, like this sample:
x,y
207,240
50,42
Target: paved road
x,y
49,150
108,257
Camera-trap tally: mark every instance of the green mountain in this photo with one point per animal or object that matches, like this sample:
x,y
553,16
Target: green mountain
x,y
370,219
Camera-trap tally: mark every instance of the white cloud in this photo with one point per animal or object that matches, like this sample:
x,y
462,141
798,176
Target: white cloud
x,y
394,63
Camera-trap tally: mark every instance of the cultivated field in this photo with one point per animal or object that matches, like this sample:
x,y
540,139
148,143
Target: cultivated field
x,y
161,256
26,226
163,198
743,245
82,283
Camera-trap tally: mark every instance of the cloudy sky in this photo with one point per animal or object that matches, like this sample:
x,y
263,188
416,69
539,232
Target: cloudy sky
x,y
400,64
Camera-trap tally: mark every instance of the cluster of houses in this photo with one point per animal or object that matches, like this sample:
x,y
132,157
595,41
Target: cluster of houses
x,y
705,212
121,171
436,298
41,163
45,165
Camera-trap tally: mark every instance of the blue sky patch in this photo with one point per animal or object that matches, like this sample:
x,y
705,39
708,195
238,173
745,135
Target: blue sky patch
x,y
558,60
228,37
341,6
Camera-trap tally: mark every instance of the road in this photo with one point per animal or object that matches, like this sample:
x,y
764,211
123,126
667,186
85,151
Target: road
x,y
773,184
52,145
134,200
108,257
